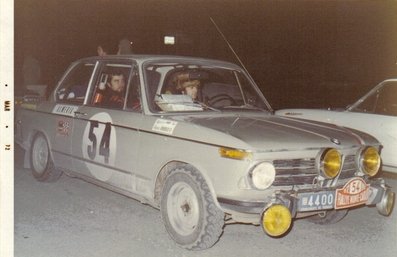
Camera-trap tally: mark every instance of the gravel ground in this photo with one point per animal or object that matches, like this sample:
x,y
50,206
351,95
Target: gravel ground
x,y
74,218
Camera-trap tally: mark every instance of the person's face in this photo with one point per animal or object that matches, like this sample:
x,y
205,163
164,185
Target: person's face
x,y
191,91
100,51
117,83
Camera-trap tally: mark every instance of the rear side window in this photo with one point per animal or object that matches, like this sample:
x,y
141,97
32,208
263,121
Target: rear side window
x,y
74,86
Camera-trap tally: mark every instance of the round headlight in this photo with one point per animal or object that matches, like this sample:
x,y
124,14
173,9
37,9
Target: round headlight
x,y
331,163
370,161
263,175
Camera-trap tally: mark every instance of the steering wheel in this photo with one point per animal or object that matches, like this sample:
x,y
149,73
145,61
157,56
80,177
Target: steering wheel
x,y
219,98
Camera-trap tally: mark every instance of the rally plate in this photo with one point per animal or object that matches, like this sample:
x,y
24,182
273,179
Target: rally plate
x,y
354,192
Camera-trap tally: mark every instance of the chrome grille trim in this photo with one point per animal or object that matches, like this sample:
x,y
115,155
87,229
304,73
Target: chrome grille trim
x,y
304,172
295,172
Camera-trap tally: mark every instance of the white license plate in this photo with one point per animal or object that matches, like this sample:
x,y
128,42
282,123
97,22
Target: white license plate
x,y
315,201
354,192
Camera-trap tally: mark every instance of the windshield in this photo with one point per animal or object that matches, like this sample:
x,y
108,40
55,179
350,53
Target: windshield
x,y
181,87
381,101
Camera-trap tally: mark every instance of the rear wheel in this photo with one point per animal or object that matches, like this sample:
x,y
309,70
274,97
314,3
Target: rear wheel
x,y
188,210
40,160
329,217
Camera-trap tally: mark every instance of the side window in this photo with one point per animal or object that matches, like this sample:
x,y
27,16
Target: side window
x,y
111,86
74,86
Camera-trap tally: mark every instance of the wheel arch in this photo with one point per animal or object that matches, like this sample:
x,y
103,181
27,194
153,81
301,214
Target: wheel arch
x,y
167,169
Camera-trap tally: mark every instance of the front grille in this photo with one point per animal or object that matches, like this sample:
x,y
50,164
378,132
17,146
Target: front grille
x,y
304,172
295,172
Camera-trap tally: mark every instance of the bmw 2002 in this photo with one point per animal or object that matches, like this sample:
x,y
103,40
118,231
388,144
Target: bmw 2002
x,y
196,139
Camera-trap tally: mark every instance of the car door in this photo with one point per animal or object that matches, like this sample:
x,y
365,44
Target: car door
x,y
106,138
69,96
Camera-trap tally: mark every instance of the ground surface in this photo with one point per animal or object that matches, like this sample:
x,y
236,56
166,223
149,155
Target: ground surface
x,y
72,218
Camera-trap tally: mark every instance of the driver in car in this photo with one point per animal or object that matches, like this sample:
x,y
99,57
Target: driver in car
x,y
115,92
184,85
190,88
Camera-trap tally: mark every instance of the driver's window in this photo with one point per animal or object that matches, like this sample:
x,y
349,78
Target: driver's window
x,y
74,86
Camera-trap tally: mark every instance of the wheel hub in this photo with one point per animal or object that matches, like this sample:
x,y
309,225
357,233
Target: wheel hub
x,y
183,208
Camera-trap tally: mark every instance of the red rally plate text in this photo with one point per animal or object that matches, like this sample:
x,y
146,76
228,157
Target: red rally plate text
x,y
354,192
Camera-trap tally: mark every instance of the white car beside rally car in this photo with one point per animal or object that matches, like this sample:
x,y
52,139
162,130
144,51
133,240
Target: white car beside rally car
x,y
205,161
375,113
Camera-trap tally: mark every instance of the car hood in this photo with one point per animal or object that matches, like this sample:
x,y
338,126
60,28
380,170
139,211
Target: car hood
x,y
273,132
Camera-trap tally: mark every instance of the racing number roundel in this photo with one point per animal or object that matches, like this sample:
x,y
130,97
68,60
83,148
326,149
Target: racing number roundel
x,y
99,145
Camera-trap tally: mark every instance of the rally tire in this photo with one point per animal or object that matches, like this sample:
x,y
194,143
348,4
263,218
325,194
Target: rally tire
x,y
41,162
329,217
188,211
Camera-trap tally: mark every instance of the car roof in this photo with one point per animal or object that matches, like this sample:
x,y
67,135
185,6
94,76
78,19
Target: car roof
x,y
140,58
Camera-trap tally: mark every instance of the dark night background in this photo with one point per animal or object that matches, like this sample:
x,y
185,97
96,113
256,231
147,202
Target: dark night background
x,y
301,53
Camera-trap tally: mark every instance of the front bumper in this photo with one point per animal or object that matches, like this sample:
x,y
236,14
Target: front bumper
x,y
354,193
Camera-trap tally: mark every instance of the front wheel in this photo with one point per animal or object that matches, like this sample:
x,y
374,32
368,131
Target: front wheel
x,y
40,161
188,210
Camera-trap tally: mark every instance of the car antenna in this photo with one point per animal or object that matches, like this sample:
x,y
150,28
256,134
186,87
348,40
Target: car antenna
x,y
228,44
239,60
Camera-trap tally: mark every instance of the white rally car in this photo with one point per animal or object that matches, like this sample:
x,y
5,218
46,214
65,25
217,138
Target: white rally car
x,y
206,159
374,113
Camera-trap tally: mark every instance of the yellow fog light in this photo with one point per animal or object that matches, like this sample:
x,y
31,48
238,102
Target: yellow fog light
x,y
331,163
234,153
276,220
370,161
